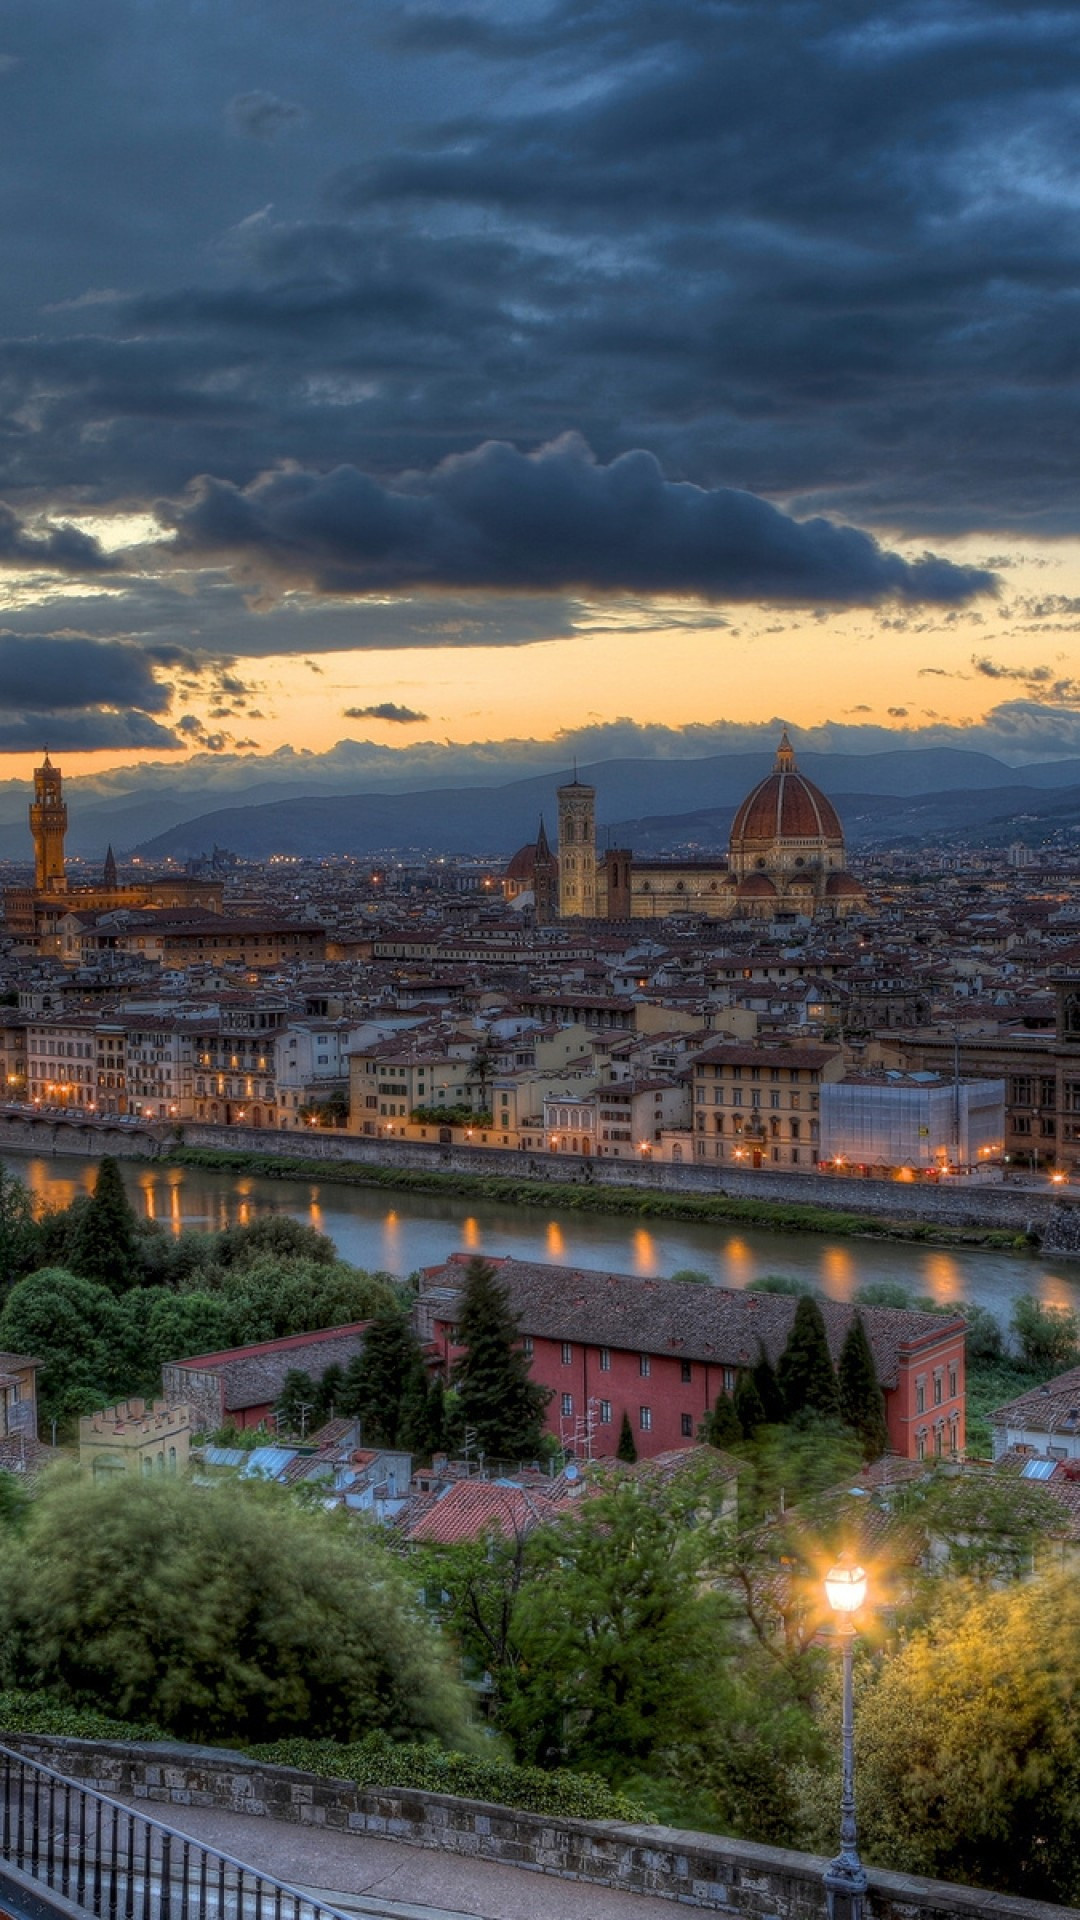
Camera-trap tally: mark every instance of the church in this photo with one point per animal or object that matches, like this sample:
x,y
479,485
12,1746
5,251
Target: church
x,y
785,861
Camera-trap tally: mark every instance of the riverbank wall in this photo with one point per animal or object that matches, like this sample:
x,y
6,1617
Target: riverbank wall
x,y
1005,1208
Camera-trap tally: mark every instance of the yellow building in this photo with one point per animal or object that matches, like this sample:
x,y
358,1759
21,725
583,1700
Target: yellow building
x,y
134,1438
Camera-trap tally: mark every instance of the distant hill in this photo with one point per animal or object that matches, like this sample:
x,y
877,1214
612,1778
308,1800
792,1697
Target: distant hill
x,y
912,794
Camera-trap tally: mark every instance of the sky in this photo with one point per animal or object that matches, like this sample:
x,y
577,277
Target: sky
x,y
397,390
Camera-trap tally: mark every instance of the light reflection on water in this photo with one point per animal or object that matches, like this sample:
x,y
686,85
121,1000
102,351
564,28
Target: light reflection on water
x,y
406,1231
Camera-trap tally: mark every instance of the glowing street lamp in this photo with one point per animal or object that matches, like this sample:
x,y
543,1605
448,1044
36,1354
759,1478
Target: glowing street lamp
x,y
845,1877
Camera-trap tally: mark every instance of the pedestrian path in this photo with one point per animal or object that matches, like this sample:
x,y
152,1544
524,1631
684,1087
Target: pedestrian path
x,y
391,1880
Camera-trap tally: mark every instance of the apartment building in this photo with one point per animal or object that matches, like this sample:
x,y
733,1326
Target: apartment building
x,y
758,1106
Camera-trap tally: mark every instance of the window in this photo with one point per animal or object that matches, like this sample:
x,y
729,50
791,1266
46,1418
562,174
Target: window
x,y
644,1365
527,1346
687,1372
605,1359
605,1413
920,1443
567,1353
952,1381
920,1399
686,1423
729,1379
567,1405
644,1419
939,1388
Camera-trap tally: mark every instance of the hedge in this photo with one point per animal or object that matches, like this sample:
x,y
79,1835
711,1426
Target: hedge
x,y
374,1762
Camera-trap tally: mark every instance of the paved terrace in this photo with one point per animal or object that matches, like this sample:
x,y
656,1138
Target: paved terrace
x,y
359,1873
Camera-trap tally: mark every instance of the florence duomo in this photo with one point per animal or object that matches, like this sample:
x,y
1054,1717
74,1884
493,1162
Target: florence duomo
x,y
785,862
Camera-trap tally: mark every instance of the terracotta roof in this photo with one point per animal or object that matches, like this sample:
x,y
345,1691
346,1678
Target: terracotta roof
x,y
470,1509
715,1325
1045,1409
254,1376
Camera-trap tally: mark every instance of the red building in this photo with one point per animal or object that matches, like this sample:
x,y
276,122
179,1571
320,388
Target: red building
x,y
242,1385
663,1351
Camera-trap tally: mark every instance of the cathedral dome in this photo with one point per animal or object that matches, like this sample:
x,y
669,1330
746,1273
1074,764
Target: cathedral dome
x,y
522,867
785,806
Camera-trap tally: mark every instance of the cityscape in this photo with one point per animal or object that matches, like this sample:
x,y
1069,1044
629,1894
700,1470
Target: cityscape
x,y
539,962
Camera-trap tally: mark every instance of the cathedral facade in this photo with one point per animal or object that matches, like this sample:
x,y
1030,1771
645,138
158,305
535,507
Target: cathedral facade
x,y
785,861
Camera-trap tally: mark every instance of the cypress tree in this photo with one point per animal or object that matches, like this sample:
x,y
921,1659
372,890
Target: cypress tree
x,y
626,1450
862,1404
748,1408
499,1402
722,1426
298,1403
805,1374
104,1246
763,1376
414,1425
378,1378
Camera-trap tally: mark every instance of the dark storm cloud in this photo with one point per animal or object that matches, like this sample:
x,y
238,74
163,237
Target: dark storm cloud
x,y
823,252
262,116
91,732
386,710
55,549
51,674
555,519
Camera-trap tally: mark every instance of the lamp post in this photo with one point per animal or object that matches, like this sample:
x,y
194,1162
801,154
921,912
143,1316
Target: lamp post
x,y
845,1877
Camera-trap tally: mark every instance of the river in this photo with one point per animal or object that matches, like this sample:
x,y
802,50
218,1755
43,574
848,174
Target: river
x,y
398,1233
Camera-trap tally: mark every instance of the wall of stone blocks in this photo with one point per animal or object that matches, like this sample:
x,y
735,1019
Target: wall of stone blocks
x,y
735,1878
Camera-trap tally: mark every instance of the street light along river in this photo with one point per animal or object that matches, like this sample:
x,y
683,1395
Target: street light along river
x,y
377,1229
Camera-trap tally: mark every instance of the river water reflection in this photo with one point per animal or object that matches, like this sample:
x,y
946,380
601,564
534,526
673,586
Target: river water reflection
x,y
399,1232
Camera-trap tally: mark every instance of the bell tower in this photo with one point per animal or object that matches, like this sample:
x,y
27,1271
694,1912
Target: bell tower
x,y
577,851
48,824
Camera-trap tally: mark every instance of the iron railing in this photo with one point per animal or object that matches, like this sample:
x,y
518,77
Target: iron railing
x,y
118,1864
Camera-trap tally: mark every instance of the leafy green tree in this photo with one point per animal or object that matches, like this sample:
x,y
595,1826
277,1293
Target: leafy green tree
x,y
984,1341
626,1449
104,1245
784,1283
14,1501
883,1293
163,1326
388,1370
1048,1336
78,1332
270,1297
619,1644
224,1613
749,1410
862,1403
276,1234
19,1238
722,1426
297,1402
805,1373
498,1400
328,1393
968,1744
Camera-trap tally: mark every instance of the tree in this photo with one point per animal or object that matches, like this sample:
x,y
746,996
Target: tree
x,y
722,1426
619,1645
163,1326
270,1297
104,1245
784,1283
968,1744
78,1332
273,1233
862,1404
805,1374
222,1613
749,1410
763,1376
18,1233
498,1400
1048,1336
627,1447
382,1376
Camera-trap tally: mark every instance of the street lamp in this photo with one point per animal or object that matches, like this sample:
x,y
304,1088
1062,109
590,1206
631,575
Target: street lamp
x,y
845,1877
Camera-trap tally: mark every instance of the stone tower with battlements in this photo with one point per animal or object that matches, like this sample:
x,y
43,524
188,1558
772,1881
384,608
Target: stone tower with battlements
x,y
48,825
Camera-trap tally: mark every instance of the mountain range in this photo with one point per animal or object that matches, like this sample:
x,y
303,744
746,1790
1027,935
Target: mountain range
x,y
885,798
